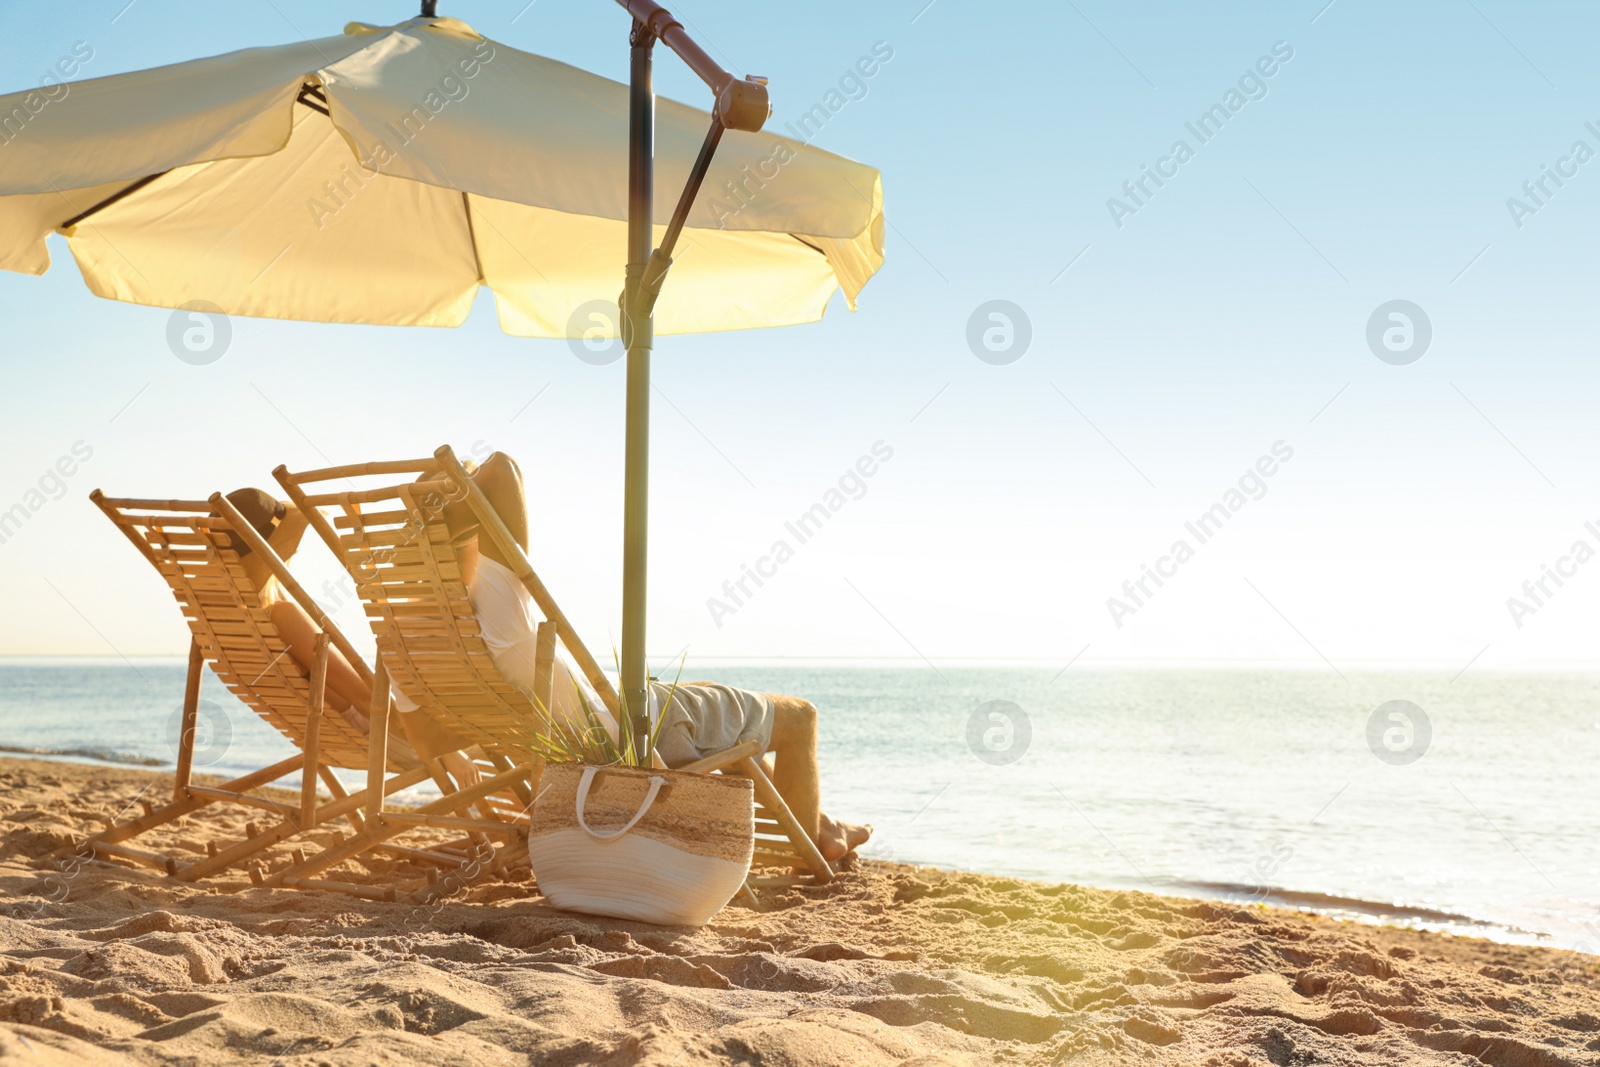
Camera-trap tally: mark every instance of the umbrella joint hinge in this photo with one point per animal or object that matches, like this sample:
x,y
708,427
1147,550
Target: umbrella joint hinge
x,y
636,306
639,295
642,35
637,339
655,275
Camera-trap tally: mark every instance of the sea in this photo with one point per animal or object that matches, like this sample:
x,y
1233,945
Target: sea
x,y
1460,801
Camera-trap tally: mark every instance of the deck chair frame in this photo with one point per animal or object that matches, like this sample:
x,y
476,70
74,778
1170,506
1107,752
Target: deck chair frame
x,y
194,546
407,574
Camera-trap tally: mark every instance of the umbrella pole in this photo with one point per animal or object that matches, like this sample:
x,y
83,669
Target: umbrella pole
x,y
741,105
638,331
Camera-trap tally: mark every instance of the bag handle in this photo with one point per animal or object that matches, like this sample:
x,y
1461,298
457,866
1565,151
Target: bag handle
x,y
656,784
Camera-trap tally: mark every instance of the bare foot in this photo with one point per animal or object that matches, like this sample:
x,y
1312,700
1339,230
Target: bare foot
x,y
838,839
856,836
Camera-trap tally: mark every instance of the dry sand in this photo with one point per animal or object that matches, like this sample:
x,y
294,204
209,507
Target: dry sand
x,y
889,965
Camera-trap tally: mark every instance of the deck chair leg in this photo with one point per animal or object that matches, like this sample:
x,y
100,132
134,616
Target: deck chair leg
x,y
746,758
502,764
378,739
313,738
485,807
767,793
191,713
341,805
339,792
380,830
233,854
189,803
448,787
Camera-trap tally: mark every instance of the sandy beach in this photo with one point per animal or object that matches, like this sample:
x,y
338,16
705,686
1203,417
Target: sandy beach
x,y
889,965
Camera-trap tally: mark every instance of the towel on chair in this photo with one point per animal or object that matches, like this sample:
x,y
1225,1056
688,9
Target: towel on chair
x,y
704,719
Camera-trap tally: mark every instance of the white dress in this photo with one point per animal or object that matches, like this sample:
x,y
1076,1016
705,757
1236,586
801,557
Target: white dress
x,y
509,620
699,720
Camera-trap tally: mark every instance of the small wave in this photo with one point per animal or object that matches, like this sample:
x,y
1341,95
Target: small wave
x,y
125,758
1297,898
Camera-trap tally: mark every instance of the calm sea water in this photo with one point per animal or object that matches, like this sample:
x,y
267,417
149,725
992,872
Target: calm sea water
x,y
1235,784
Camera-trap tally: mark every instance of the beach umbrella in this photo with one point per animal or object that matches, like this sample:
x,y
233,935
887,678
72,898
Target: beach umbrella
x,y
384,175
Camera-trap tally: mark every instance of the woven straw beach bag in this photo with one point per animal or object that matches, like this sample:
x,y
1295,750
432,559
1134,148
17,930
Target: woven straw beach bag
x,y
654,846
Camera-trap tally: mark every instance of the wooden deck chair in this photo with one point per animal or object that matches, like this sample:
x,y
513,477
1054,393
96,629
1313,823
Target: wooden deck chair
x,y
194,546
394,542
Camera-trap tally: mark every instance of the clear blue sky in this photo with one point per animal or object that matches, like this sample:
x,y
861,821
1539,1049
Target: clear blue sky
x,y
1229,312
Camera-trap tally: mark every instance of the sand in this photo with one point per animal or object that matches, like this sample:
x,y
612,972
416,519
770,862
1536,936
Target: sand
x,y
888,965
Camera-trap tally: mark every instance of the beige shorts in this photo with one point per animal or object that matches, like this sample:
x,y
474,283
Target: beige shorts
x,y
702,720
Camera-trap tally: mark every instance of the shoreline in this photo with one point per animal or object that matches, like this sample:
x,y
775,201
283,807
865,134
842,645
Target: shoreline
x,y
890,964
1030,663
1310,902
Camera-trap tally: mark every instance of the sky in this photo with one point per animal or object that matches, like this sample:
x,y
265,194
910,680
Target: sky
x,y
1182,339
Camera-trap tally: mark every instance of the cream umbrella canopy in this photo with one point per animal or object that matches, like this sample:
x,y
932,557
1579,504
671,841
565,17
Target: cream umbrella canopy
x,y
384,175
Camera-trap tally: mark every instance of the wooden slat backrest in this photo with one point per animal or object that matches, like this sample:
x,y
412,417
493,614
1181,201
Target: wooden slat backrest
x,y
193,550
396,546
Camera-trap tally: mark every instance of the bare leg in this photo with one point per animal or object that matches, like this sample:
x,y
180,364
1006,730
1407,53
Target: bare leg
x,y
795,776
794,760
299,632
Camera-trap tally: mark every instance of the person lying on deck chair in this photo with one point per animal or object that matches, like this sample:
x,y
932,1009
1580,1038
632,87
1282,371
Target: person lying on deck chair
x,y
702,718
346,693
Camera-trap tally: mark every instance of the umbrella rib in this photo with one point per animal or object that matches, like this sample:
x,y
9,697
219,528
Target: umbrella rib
x,y
306,90
112,199
315,94
809,245
472,236
509,243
